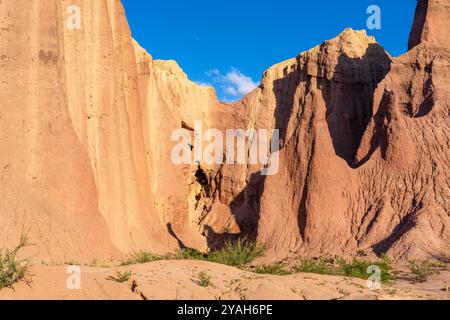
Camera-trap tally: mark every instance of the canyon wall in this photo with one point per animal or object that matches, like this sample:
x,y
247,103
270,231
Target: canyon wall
x,y
87,117
74,169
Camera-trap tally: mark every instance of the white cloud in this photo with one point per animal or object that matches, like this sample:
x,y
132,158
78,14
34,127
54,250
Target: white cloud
x,y
234,84
238,83
232,91
203,84
213,72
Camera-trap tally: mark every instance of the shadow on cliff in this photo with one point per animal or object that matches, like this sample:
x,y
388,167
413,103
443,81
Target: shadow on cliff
x,y
245,208
379,137
174,235
349,99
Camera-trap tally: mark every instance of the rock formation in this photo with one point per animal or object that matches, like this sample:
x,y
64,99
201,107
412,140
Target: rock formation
x,y
74,169
85,146
431,23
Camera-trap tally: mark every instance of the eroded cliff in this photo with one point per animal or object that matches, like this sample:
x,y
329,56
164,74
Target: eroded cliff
x,y
85,150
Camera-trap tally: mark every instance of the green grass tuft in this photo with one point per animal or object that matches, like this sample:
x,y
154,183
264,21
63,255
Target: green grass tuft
x,y
141,257
358,268
204,279
275,269
12,268
340,267
190,254
236,253
319,266
120,277
421,271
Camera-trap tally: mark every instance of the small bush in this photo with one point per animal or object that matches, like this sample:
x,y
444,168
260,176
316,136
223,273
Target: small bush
x,y
204,279
141,257
358,268
421,271
355,269
276,269
120,277
237,253
190,254
12,268
341,267
319,266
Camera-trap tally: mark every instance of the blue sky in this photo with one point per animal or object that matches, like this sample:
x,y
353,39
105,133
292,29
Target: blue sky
x,y
229,43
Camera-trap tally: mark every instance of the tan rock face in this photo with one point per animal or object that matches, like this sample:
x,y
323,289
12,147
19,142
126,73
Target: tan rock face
x,y
357,176
72,144
431,23
86,144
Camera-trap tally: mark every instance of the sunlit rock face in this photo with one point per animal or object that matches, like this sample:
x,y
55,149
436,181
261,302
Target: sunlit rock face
x,y
87,117
431,24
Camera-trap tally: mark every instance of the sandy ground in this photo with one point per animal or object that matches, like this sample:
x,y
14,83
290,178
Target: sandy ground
x,y
171,280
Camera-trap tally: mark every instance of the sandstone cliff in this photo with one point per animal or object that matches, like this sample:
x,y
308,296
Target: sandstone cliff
x,y
74,169
85,147
431,23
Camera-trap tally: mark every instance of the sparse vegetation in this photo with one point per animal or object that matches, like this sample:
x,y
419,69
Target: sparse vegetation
x,y
95,263
342,291
235,253
319,266
140,257
72,263
12,268
121,277
190,254
275,269
421,271
358,268
340,267
241,252
204,279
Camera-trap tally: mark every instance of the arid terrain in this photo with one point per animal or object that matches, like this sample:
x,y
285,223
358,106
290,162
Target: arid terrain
x,y
87,170
168,280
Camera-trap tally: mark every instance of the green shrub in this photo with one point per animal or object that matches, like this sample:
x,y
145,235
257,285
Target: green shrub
x,y
358,268
236,253
204,279
276,269
319,266
340,267
12,268
141,257
120,277
190,254
421,271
